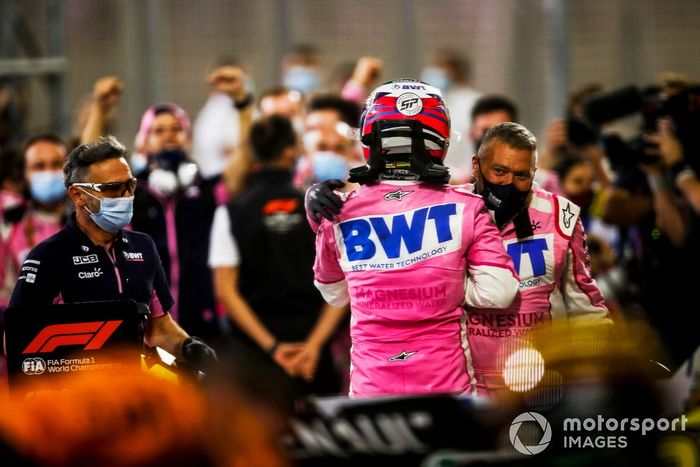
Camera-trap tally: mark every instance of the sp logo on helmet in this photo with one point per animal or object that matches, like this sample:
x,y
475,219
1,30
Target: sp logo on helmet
x,y
546,433
33,366
409,104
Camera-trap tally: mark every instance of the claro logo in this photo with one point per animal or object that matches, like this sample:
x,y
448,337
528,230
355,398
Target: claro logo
x,y
93,335
96,272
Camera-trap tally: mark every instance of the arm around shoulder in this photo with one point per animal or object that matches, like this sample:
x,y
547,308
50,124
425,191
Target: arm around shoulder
x,y
491,280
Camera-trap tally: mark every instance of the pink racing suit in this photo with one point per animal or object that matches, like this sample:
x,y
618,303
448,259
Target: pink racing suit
x,y
406,255
555,282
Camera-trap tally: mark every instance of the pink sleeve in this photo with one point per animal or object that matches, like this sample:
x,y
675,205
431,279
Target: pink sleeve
x,y
329,278
221,193
491,278
326,267
581,294
156,307
487,246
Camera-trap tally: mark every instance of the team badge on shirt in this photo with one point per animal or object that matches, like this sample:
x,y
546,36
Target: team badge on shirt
x,y
396,195
567,215
402,356
280,215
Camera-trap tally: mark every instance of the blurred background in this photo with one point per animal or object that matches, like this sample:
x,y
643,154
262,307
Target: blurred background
x,y
563,64
534,51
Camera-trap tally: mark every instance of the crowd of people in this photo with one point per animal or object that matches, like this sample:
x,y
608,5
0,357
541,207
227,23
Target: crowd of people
x,y
222,198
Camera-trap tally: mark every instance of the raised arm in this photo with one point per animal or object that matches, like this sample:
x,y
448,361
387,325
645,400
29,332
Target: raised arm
x,y
105,96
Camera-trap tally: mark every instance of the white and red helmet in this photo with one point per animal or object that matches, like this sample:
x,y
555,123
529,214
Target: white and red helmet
x,y
396,102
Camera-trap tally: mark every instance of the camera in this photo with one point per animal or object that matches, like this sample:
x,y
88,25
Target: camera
x,y
678,101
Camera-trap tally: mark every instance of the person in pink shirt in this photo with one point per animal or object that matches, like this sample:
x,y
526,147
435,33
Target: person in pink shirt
x,y
45,213
408,250
544,235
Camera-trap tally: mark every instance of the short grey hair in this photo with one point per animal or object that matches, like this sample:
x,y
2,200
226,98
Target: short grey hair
x,y
81,158
513,134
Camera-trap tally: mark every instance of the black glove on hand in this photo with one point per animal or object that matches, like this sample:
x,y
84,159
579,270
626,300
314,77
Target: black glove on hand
x,y
320,199
197,353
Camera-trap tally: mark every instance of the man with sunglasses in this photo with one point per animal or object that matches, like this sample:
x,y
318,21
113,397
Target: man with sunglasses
x,y
94,259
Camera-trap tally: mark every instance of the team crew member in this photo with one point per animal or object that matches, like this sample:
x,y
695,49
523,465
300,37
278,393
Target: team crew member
x,y
172,204
544,236
45,212
93,259
262,253
408,249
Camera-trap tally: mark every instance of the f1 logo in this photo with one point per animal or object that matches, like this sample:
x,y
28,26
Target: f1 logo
x,y
93,334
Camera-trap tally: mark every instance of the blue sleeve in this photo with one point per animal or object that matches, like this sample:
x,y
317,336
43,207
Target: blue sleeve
x,y
37,283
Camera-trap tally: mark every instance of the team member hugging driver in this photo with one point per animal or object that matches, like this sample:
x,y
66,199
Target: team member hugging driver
x,y
408,249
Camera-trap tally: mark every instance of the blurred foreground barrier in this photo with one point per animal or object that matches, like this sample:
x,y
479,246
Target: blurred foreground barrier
x,y
589,395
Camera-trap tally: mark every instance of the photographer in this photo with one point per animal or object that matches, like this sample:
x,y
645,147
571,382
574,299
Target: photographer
x,y
670,218
656,221
682,173
573,137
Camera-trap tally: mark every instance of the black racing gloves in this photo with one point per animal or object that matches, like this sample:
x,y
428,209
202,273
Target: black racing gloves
x,y
198,354
321,201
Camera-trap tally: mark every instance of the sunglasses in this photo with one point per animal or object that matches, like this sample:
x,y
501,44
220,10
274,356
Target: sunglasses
x,y
111,189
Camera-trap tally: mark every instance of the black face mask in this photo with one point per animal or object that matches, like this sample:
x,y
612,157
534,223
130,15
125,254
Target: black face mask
x,y
14,214
170,159
505,200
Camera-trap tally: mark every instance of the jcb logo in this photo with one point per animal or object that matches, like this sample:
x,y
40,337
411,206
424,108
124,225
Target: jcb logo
x,y
85,259
93,335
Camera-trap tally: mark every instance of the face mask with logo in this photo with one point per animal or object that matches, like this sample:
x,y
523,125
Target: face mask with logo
x,y
47,186
301,78
505,200
328,165
114,213
436,77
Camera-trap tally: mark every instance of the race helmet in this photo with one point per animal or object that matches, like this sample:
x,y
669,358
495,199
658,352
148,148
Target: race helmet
x,y
405,126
